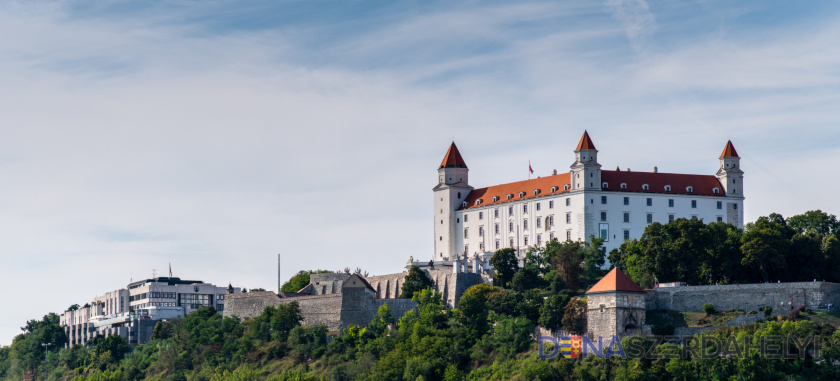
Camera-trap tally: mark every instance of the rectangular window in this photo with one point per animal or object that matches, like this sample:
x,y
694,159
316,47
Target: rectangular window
x,y
526,240
525,224
497,245
626,235
539,239
511,242
465,217
649,201
480,215
735,206
603,216
551,204
568,201
720,205
551,236
670,202
538,206
568,235
481,231
649,218
627,201
626,217
511,226
568,218
694,204
539,222
603,199
551,220
466,233
496,213
510,210
604,230
525,208
670,218
693,217
466,249
497,228
719,219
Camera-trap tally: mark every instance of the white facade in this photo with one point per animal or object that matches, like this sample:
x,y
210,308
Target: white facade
x,y
615,205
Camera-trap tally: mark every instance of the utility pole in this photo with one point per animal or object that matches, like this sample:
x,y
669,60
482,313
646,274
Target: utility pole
x,y
46,352
279,279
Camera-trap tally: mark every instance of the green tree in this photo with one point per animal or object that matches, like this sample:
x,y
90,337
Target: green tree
x,y
567,259
416,280
505,264
527,278
551,313
765,246
298,281
814,221
574,316
594,256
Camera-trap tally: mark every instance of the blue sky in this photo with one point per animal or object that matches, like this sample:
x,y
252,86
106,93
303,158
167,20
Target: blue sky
x,y
216,134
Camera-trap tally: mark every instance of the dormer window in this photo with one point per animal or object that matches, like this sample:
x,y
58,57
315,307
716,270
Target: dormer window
x,y
510,196
495,198
478,202
623,185
689,189
553,189
645,187
605,185
715,190
566,187
464,204
536,192
521,194
667,188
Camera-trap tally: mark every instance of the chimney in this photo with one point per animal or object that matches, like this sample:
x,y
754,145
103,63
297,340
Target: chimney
x,y
554,172
628,169
655,170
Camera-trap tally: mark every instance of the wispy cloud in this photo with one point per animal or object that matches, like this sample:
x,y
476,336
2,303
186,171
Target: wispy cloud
x,y
636,18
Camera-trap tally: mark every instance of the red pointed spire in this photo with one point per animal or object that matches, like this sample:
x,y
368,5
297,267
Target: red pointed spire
x,y
453,158
615,280
585,142
729,150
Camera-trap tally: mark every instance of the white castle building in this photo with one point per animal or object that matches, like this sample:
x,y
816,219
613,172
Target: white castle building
x,y
615,205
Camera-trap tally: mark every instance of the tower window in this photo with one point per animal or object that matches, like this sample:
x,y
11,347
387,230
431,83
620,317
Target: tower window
x,y
525,224
626,235
497,244
480,215
568,235
735,206
719,219
693,204
568,218
459,194
720,205
627,201
466,233
670,202
496,213
497,228
670,218
626,217
603,199
481,231
568,201
603,216
550,220
551,204
649,201
649,218
465,217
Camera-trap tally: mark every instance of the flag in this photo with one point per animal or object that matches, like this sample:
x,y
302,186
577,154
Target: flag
x,y
170,269
570,346
529,167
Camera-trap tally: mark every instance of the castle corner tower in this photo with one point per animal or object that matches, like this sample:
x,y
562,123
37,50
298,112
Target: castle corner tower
x,y
732,179
450,192
585,171
615,306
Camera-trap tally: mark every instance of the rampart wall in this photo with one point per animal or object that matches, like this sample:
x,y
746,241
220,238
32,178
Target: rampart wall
x,y
744,296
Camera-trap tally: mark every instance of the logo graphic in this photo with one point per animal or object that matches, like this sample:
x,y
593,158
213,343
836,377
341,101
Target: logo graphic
x,y
570,346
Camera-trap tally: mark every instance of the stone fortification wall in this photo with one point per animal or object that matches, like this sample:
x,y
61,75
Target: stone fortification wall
x,y
365,313
320,309
451,285
744,296
738,321
327,283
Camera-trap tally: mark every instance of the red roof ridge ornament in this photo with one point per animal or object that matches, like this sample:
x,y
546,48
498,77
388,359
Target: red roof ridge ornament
x,y
453,158
585,142
615,280
729,150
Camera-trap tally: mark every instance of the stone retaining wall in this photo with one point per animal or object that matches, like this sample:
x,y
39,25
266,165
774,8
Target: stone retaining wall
x,y
744,296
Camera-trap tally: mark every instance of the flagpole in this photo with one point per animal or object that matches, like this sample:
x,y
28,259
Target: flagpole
x,y
529,169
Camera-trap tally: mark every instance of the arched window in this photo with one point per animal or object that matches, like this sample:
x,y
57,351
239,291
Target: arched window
x,y
495,198
553,189
521,194
536,192
623,185
667,188
566,187
479,201
715,190
645,187
689,189
464,204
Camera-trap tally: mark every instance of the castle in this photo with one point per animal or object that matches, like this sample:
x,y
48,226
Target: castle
x,y
614,205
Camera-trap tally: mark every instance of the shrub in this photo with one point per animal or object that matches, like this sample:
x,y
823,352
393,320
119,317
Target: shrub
x,y
767,311
663,330
709,308
752,312
807,310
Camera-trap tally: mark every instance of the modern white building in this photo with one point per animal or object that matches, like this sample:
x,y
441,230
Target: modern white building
x,y
132,312
615,205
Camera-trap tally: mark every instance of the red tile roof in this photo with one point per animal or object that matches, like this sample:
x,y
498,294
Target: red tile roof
x,y
585,142
729,150
543,184
615,280
453,158
702,185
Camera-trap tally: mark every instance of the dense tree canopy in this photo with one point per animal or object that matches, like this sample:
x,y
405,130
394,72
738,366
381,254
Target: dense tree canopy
x,y
416,280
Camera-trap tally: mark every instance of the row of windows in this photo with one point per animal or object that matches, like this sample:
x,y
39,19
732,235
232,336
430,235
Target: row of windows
x,y
162,304
525,240
649,202
524,209
162,295
650,217
688,189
